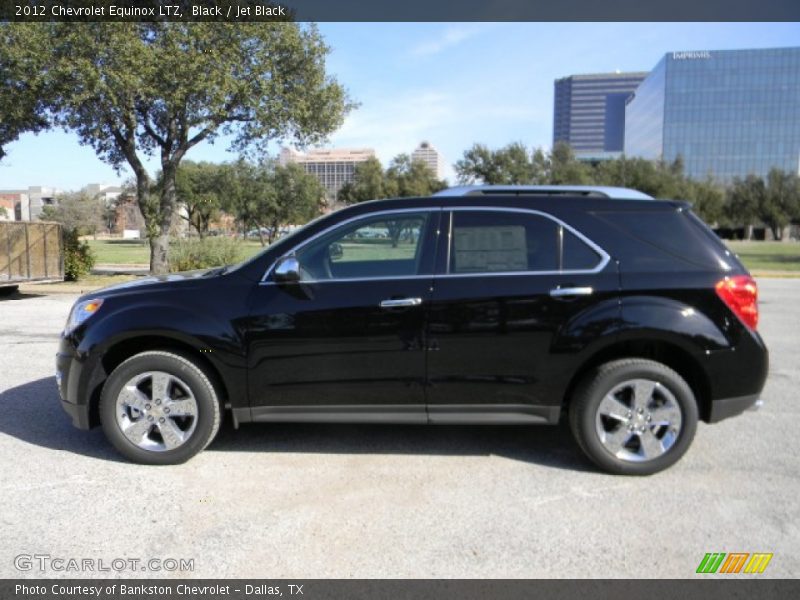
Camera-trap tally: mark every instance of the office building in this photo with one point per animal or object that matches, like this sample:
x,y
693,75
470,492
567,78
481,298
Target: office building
x,y
333,167
726,113
589,112
27,205
430,156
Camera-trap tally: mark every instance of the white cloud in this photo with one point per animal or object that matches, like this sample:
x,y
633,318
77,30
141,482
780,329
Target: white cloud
x,y
452,36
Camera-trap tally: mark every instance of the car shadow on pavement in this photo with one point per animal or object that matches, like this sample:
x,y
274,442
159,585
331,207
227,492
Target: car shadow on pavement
x,y
32,413
537,444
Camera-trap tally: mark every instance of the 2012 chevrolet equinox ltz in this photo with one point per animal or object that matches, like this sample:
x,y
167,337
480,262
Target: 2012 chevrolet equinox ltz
x,y
623,314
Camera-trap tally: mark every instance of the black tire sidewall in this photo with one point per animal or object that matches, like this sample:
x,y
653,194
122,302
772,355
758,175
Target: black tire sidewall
x,y
594,390
205,396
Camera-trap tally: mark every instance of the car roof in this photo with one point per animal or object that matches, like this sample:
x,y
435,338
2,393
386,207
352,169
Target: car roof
x,y
620,193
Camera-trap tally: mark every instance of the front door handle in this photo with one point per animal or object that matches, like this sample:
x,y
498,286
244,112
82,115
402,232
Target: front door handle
x,y
401,302
571,291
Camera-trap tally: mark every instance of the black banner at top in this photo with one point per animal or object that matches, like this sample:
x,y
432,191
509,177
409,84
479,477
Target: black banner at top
x,y
243,11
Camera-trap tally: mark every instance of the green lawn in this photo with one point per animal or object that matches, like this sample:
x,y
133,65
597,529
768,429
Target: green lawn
x,y
768,256
137,252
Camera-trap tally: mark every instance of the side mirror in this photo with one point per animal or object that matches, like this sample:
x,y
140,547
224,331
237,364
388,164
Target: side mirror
x,y
287,270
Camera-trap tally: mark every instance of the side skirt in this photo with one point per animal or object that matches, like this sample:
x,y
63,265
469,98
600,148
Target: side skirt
x,y
451,414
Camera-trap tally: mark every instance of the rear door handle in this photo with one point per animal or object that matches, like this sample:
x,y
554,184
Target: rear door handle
x,y
571,291
401,302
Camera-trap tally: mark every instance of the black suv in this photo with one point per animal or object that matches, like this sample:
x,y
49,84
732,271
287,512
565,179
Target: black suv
x,y
623,314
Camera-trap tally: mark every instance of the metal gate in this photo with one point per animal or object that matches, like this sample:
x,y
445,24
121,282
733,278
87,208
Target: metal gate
x,y
31,251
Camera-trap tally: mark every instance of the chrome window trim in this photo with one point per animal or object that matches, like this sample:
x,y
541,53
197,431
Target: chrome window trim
x,y
303,244
605,258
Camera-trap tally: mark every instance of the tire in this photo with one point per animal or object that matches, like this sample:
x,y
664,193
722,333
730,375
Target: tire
x,y
633,416
159,408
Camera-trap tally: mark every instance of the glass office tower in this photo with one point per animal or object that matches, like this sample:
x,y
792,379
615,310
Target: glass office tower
x,y
727,113
589,112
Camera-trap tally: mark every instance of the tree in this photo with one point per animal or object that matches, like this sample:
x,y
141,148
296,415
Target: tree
x,y
24,82
297,197
199,188
565,169
406,177
268,196
77,211
510,165
367,184
745,198
708,200
132,90
780,204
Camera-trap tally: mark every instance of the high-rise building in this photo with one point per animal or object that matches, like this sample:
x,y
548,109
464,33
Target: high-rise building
x,y
726,113
589,112
430,156
333,167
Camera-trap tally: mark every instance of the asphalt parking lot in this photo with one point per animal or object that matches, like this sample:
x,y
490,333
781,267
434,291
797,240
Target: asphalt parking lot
x,y
304,501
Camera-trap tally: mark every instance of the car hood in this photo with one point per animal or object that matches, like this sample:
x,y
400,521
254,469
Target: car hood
x,y
153,280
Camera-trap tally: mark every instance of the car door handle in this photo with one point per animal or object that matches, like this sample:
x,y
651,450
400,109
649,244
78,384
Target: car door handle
x,y
570,291
401,302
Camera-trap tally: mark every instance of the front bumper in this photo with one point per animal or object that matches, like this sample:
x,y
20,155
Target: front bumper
x,y
69,371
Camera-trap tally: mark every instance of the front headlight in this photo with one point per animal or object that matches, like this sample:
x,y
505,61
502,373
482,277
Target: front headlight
x,y
80,312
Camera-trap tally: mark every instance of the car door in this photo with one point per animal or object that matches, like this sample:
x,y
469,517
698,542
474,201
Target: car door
x,y
347,341
509,281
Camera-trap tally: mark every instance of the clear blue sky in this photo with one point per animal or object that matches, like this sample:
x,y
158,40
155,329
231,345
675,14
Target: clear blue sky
x,y
452,84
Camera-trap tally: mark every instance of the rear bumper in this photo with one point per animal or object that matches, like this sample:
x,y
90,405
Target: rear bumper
x,y
730,407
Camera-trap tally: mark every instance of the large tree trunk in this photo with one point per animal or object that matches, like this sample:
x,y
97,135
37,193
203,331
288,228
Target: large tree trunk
x,y
786,234
159,244
748,232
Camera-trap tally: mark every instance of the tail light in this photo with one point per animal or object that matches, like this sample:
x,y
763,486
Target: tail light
x,y
740,294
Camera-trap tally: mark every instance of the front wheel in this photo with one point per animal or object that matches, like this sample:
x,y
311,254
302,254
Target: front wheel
x,y
633,416
159,408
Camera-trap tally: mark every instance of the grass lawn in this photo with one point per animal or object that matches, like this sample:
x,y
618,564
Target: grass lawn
x,y
137,252
768,256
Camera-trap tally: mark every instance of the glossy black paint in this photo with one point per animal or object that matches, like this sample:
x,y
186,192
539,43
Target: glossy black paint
x,y
479,348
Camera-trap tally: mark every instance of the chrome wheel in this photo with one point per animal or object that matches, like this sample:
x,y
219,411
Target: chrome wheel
x,y
156,411
638,420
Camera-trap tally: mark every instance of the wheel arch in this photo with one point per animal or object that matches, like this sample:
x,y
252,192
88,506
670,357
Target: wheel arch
x,y
666,352
124,349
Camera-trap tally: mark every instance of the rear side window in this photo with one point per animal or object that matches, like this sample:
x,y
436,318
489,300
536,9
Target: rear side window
x,y
499,241
577,254
674,232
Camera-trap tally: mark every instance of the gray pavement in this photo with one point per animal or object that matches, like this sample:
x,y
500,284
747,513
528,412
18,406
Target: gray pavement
x,y
301,501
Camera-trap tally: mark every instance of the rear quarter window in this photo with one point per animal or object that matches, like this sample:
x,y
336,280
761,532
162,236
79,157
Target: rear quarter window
x,y
673,232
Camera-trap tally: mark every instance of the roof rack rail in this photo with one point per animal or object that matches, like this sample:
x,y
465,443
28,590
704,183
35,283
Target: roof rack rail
x,y
597,191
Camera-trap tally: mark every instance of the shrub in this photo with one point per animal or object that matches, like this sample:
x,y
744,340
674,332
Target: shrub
x,y
78,257
196,253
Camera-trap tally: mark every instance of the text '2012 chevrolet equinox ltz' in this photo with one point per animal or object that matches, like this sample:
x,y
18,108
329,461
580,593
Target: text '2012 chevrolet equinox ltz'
x,y
624,315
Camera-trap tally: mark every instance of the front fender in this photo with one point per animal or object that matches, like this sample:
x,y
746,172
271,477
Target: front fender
x,y
217,340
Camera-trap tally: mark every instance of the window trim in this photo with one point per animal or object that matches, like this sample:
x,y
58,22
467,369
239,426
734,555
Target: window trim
x,y
431,212
605,258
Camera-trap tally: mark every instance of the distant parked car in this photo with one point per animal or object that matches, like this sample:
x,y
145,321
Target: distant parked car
x,y
623,315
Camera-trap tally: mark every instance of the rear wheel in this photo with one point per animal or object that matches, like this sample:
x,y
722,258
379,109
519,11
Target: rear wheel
x,y
633,416
159,408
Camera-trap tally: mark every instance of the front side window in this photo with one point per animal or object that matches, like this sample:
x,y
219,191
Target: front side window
x,y
499,241
382,246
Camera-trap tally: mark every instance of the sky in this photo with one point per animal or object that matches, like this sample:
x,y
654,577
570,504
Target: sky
x,y
452,84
